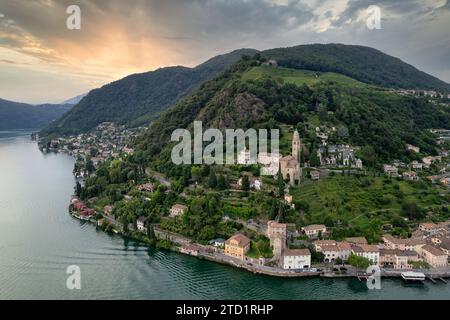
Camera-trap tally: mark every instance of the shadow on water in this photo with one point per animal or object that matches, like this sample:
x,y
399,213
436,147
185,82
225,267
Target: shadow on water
x,y
356,286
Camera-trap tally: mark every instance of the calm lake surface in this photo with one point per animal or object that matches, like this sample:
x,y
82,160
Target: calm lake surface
x,y
39,240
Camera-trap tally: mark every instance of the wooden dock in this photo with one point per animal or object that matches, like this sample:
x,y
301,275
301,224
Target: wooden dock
x,y
431,279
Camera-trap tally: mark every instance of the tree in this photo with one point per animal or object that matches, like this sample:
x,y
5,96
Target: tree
x,y
212,180
196,173
322,112
78,189
125,226
358,262
221,183
151,235
412,210
263,246
317,257
368,155
245,183
205,170
89,165
342,132
314,160
280,185
93,152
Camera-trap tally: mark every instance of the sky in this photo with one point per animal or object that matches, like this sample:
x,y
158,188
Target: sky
x,y
42,61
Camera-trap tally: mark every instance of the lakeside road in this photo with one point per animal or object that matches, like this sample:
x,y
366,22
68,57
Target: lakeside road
x,y
214,254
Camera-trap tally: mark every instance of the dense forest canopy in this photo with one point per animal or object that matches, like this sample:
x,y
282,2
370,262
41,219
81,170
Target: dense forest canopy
x,y
374,118
252,94
139,98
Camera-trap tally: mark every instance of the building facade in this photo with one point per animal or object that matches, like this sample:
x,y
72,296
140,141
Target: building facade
x,y
237,246
294,259
276,232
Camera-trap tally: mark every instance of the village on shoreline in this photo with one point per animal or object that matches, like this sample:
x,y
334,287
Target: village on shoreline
x,y
426,251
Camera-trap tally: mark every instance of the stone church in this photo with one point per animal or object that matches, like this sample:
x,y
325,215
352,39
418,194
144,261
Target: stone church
x,y
290,165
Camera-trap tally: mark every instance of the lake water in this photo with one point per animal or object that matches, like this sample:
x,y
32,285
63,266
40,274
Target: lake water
x,y
39,240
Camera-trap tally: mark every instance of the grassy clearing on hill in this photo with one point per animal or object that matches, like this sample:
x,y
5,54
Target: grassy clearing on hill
x,y
299,77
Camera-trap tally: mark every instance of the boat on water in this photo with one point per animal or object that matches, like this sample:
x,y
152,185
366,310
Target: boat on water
x,y
413,276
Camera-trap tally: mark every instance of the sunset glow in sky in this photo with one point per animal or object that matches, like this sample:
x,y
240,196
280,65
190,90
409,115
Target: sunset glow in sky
x,y
42,61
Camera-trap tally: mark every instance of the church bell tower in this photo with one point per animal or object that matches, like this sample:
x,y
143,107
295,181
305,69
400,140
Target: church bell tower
x,y
296,146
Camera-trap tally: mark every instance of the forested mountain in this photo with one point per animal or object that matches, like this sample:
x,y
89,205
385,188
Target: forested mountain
x,y
361,113
374,117
361,63
139,98
14,115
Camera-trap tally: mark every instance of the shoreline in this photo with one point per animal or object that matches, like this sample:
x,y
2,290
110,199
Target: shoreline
x,y
179,241
163,235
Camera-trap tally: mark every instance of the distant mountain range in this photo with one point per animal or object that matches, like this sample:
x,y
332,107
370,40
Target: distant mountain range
x,y
75,100
15,115
139,99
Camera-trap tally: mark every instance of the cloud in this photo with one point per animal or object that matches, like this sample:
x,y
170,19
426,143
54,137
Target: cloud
x,y
121,37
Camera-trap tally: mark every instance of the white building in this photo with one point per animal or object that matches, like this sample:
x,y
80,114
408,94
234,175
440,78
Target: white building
x,y
391,171
428,161
331,253
255,183
358,164
410,176
370,252
270,163
140,224
410,147
313,231
268,158
178,210
341,250
318,244
245,157
296,259
416,165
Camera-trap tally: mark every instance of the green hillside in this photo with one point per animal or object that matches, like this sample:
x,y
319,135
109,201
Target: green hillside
x,y
366,204
14,115
373,116
358,62
251,95
298,77
138,99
